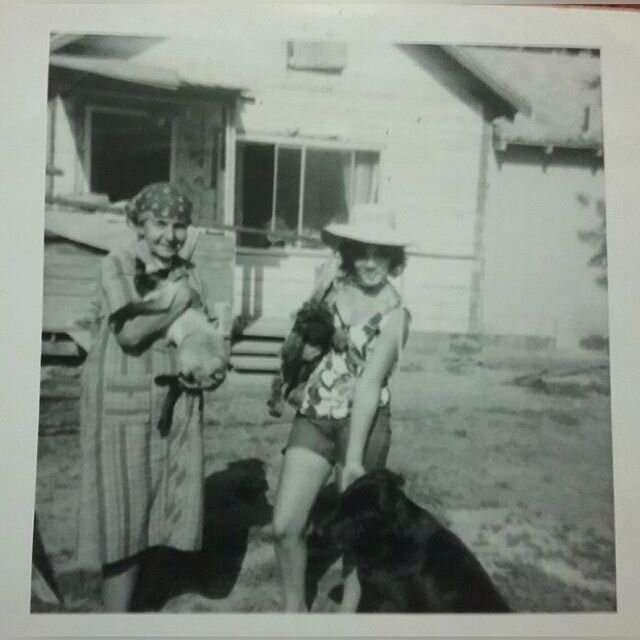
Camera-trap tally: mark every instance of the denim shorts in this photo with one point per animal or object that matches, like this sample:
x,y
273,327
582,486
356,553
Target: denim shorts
x,y
329,438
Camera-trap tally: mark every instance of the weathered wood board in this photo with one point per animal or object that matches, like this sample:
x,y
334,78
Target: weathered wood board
x,y
71,269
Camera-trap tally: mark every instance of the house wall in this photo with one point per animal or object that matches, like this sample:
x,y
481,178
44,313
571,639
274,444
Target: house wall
x,y
274,284
67,142
430,145
536,278
199,132
533,279
196,154
429,142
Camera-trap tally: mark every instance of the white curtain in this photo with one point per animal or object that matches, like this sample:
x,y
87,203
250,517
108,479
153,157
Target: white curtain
x,y
365,168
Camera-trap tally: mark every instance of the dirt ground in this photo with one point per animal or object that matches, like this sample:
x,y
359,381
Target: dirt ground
x,y
512,449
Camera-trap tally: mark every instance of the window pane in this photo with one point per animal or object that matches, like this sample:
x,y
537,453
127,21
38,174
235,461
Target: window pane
x,y
255,193
334,180
326,189
288,189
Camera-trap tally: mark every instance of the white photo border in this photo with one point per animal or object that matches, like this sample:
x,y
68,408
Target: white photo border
x,y
24,38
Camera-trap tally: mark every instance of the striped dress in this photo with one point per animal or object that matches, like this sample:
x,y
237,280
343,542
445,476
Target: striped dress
x,y
139,488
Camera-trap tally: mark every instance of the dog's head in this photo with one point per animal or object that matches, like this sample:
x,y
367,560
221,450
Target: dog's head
x,y
370,509
314,324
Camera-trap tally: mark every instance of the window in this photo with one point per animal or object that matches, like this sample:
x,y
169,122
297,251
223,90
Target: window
x,y
127,150
298,189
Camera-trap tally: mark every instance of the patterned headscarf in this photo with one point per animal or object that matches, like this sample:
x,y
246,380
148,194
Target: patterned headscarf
x,y
163,201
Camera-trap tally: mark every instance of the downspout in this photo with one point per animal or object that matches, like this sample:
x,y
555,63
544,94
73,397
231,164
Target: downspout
x,y
477,275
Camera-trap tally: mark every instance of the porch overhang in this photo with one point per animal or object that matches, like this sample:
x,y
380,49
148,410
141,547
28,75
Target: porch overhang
x,y
157,79
464,76
499,90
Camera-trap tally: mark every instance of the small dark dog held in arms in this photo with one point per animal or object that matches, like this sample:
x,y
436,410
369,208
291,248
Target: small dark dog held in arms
x,y
406,560
312,335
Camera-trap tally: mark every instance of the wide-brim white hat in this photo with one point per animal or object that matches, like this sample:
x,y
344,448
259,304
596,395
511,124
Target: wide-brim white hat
x,y
371,224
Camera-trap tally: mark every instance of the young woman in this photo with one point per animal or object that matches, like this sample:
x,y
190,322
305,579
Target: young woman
x,y
141,485
344,414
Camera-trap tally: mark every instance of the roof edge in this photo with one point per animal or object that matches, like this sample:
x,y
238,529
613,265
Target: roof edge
x,y
127,71
495,85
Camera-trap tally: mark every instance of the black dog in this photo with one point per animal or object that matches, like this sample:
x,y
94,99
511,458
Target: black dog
x,y
406,560
312,335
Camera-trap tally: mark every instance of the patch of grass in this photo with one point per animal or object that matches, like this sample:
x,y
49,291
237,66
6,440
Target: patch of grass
x,y
81,592
595,342
529,589
259,576
464,439
490,504
464,344
412,367
457,366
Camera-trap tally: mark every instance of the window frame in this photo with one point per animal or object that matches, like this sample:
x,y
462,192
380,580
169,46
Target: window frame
x,y
303,144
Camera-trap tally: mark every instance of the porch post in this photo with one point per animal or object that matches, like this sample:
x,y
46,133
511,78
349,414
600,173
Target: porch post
x,y
230,157
477,275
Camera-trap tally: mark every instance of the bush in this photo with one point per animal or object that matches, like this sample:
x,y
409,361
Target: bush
x,y
595,342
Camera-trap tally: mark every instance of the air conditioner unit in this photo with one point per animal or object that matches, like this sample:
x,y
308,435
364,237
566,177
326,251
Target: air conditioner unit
x,y
316,55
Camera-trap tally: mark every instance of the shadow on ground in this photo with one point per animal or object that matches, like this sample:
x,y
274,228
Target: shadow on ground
x,y
321,556
235,501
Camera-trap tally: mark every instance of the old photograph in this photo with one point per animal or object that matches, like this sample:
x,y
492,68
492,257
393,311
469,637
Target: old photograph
x,y
325,328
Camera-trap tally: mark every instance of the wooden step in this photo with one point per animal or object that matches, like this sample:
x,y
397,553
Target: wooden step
x,y
266,364
267,327
60,345
257,347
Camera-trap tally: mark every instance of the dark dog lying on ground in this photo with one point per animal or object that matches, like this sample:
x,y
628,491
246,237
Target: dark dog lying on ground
x,y
311,337
406,560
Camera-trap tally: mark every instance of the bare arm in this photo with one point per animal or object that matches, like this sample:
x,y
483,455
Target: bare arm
x,y
368,386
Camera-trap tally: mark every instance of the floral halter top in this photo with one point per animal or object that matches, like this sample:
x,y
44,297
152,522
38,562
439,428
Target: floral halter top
x,y
330,388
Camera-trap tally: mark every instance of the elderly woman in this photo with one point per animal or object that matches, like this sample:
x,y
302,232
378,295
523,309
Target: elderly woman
x,y
344,413
142,480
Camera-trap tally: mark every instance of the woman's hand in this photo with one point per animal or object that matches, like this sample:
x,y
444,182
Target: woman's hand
x,y
351,471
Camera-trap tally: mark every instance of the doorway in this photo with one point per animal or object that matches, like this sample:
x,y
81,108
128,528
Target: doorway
x,y
128,150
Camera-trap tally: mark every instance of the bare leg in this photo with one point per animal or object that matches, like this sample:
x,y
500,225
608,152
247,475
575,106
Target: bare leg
x,y
117,588
304,472
351,592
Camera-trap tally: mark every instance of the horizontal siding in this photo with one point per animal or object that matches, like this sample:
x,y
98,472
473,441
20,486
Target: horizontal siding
x,y
429,140
70,275
429,154
436,291
69,288
61,313
214,258
273,286
536,276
